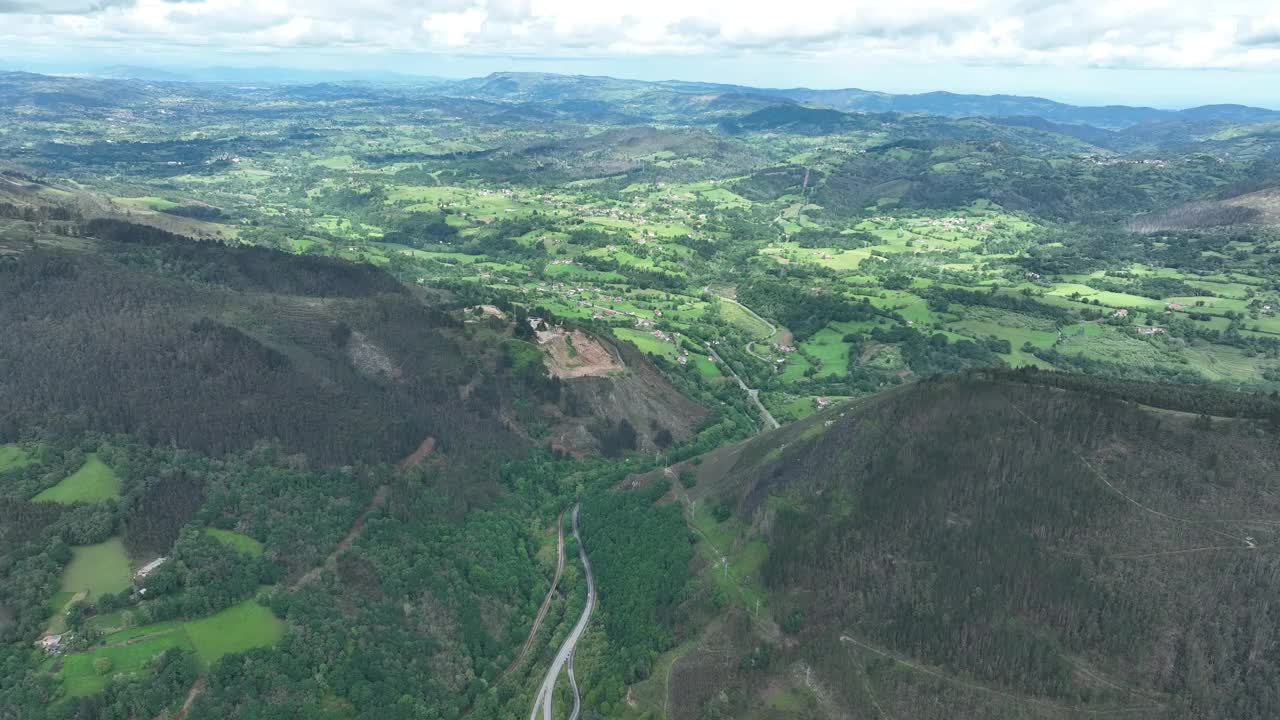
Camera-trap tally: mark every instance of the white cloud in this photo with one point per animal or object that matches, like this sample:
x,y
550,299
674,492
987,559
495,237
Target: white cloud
x,y
455,29
1238,34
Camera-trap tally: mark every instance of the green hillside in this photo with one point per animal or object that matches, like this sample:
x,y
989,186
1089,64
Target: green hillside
x,y
987,548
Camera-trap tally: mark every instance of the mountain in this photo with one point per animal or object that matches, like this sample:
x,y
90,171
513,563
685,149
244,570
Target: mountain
x,y
265,75
998,547
959,105
542,86
1258,208
963,105
219,348
552,90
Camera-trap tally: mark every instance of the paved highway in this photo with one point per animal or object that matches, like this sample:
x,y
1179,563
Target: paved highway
x,y
565,655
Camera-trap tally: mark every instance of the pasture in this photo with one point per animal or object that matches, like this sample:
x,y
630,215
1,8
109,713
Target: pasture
x,y
646,342
237,629
739,316
831,352
93,482
97,569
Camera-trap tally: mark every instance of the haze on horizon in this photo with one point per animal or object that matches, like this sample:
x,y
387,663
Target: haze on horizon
x,y
1163,53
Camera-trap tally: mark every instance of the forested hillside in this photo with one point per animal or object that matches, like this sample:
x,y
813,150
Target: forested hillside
x,y
220,348
217,349
973,547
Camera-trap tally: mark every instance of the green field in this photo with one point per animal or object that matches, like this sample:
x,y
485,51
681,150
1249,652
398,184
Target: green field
x,y
97,569
734,313
834,258
147,203
238,541
93,482
738,576
13,457
236,629
830,350
1114,346
708,369
646,342
128,659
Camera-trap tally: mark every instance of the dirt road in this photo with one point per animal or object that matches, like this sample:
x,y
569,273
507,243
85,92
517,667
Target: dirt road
x,y
546,602
357,527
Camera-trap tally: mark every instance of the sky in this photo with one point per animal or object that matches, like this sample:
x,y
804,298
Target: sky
x,y
1166,53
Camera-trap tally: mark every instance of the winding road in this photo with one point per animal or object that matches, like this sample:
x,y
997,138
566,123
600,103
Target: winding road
x,y
546,693
769,421
752,393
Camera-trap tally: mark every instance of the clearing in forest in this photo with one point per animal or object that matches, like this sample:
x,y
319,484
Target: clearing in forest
x,y
237,629
97,569
94,570
93,482
239,542
13,457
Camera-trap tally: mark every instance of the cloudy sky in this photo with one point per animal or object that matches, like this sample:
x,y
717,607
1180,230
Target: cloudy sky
x,y
1160,52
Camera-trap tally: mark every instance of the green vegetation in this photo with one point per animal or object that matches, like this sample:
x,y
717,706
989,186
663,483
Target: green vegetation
x,y
97,570
234,630
130,653
239,541
93,482
987,476
642,559
423,319
13,457
79,673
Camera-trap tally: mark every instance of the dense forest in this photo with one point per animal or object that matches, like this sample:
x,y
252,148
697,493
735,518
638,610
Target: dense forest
x,y
1012,533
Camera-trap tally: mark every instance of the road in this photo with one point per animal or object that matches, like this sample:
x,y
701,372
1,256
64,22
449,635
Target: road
x,y
546,693
546,601
769,422
752,393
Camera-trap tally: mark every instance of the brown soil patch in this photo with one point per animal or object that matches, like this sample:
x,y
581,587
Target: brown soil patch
x,y
427,447
191,698
574,354
491,311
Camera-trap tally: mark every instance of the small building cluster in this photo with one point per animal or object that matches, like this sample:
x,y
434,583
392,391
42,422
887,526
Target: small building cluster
x,y
146,570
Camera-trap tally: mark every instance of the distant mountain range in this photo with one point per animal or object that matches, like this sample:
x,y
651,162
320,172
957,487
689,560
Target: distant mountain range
x,y
576,89
958,105
264,75
543,86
